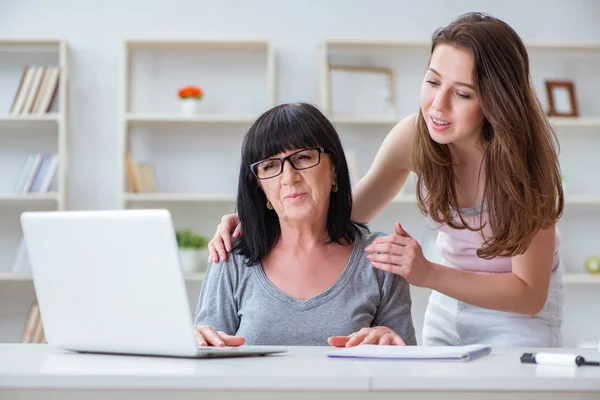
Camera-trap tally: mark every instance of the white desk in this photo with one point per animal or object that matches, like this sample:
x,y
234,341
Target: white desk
x,y
40,371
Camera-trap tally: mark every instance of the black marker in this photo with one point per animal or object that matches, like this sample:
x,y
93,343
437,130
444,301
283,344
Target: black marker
x,y
556,359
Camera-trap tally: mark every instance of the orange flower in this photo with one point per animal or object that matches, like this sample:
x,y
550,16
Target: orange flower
x,y
190,91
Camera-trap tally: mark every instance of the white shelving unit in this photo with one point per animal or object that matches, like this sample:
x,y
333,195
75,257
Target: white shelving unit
x,y
349,100
234,94
22,277
195,157
20,135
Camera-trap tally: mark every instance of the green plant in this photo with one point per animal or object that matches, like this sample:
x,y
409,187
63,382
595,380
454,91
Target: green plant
x,y
188,240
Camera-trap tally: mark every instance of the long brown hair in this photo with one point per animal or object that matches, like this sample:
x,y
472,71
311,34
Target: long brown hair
x,y
522,186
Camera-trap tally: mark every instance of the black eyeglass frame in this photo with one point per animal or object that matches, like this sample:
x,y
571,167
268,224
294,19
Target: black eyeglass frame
x,y
288,158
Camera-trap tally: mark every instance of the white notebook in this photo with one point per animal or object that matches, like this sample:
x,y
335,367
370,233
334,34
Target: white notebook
x,y
433,353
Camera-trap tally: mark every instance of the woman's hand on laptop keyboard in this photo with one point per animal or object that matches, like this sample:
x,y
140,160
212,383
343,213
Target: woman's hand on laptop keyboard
x,y
207,336
220,245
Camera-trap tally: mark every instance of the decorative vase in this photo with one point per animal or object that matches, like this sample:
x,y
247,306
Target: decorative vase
x,y
190,260
189,106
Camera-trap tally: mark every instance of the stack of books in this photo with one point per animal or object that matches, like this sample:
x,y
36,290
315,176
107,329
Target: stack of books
x,y
37,90
34,330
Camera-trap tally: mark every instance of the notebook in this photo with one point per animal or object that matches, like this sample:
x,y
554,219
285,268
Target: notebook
x,y
432,353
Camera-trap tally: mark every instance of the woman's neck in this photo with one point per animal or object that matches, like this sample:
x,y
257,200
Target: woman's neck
x,y
469,173
469,155
302,237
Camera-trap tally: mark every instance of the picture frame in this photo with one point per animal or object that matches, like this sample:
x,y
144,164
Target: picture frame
x,y
361,88
562,101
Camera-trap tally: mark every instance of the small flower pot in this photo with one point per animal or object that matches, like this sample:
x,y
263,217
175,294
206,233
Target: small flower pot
x,y
193,260
189,106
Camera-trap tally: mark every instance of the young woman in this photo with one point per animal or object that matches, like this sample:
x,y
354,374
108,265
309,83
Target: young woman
x,y
488,179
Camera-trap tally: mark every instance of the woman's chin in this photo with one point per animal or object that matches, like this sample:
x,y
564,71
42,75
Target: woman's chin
x,y
298,213
440,137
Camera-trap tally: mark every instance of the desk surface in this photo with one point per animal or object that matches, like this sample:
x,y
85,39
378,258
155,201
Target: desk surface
x,y
300,369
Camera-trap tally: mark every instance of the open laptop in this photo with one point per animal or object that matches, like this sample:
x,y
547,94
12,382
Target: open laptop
x,y
110,282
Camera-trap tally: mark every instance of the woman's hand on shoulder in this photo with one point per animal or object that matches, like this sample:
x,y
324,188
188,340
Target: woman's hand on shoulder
x,y
221,244
402,255
207,336
380,335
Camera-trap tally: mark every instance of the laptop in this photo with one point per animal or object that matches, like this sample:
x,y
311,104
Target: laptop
x,y
110,282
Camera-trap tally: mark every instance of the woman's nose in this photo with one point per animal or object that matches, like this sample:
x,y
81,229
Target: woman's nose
x,y
440,101
288,174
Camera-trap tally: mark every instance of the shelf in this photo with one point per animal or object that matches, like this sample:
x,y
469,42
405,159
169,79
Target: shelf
x,y
376,45
557,46
581,278
194,276
14,277
227,44
150,119
405,199
26,198
179,197
570,278
582,122
582,200
30,118
30,43
25,277
398,45
366,120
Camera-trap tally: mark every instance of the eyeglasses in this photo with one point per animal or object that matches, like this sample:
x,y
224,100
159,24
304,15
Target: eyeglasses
x,y
301,159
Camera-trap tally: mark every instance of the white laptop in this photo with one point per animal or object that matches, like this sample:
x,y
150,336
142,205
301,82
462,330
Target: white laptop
x,y
110,282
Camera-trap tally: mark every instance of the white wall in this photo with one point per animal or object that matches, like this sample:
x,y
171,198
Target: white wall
x,y
95,31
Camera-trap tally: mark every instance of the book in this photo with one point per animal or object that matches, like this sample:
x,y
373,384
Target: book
x,y
431,353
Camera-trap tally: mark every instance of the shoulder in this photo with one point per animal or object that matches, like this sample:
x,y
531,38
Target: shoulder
x,y
233,269
384,278
369,237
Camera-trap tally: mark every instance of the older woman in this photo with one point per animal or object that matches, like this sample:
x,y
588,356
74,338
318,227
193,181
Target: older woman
x,y
299,275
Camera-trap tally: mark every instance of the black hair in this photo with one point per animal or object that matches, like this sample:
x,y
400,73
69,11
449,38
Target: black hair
x,y
283,128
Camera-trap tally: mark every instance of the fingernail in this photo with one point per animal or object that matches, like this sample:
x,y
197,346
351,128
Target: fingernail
x,y
228,249
369,256
220,343
215,259
235,234
368,248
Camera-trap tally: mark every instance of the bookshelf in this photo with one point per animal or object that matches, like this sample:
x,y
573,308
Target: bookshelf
x,y
238,80
34,76
365,107
194,157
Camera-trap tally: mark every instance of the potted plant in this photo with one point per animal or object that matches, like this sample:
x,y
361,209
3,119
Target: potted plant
x,y
193,250
189,97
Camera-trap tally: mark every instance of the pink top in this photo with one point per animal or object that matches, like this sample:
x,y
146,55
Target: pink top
x,y
458,247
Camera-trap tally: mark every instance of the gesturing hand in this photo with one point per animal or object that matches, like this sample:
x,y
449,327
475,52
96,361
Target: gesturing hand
x,y
402,255
207,336
381,335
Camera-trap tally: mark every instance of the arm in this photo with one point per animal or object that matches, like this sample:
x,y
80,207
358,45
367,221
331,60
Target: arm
x,y
388,173
394,310
523,291
217,306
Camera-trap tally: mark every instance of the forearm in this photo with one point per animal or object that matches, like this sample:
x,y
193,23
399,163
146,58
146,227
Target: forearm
x,y
501,292
366,204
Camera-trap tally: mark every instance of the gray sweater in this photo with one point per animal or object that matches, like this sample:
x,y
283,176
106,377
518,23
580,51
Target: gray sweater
x,y
238,298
